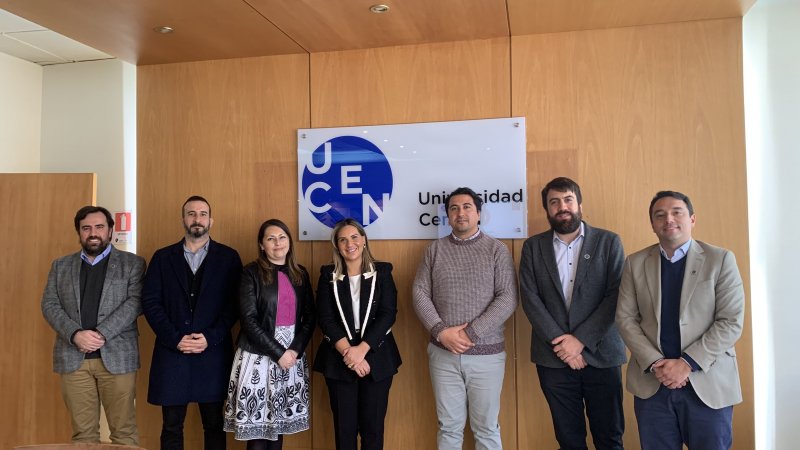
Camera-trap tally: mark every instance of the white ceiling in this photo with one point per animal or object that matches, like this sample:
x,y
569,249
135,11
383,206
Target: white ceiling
x,y
31,42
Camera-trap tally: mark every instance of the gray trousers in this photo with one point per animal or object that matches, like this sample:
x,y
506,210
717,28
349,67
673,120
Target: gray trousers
x,y
467,385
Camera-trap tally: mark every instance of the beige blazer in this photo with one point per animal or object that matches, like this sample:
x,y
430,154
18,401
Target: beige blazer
x,y
711,319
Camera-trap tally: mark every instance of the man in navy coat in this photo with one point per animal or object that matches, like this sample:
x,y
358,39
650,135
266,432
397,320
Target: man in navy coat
x,y
569,280
189,299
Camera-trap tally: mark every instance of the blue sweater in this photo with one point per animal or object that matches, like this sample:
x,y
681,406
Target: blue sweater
x,y
671,282
671,285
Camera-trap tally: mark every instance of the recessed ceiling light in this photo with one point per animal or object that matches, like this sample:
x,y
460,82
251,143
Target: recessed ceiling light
x,y
379,9
163,30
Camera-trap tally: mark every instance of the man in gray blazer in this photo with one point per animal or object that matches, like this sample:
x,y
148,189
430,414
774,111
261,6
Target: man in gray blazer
x,y
680,311
569,280
92,300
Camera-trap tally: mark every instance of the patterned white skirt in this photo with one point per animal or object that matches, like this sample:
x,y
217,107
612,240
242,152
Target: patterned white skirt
x,y
265,401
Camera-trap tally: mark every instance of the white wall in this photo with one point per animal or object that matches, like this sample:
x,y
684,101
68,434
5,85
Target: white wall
x,y
772,108
89,125
20,114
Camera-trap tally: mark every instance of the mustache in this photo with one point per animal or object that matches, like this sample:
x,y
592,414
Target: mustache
x,y
569,213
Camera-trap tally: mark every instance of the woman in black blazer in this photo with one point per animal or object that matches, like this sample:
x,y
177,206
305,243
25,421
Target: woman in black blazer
x,y
358,355
268,393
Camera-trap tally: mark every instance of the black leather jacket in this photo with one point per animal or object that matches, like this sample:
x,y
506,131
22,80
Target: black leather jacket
x,y
258,305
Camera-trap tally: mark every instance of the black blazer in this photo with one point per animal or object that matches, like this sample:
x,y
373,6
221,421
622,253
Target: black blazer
x,y
383,356
258,306
594,298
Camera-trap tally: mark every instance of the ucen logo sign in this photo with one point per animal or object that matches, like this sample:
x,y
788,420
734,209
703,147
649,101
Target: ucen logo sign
x,y
347,176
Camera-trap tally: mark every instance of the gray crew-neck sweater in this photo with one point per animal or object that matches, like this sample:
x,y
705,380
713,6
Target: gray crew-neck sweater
x,y
471,281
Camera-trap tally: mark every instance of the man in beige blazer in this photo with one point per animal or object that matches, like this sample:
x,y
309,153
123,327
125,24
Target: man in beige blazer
x,y
680,311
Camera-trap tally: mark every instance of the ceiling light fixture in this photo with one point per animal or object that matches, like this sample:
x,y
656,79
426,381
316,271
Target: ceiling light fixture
x,y
163,30
379,9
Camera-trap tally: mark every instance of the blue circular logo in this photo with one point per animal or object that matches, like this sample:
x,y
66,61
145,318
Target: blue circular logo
x,y
348,177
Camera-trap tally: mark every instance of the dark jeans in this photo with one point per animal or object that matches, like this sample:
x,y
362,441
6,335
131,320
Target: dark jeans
x,y
172,429
600,390
673,417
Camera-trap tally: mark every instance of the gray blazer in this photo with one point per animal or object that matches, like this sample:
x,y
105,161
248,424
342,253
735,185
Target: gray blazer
x,y
594,298
711,320
120,305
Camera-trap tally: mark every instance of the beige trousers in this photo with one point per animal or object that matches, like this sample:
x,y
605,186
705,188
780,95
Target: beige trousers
x,y
85,389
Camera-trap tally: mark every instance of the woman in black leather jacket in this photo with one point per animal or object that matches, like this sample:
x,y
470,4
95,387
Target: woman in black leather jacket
x,y
269,391
356,307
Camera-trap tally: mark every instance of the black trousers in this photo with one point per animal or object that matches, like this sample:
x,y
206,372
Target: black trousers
x,y
172,429
359,408
568,391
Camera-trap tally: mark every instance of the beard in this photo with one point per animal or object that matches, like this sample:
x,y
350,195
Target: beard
x,y
196,230
94,248
568,225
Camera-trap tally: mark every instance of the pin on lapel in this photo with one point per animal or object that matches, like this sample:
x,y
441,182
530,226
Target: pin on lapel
x,y
586,256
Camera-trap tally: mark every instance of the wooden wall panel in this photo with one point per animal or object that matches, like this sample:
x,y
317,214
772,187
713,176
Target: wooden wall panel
x,y
628,112
37,227
224,130
421,83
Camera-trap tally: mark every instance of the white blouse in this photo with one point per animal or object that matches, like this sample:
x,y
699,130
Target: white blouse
x,y
355,294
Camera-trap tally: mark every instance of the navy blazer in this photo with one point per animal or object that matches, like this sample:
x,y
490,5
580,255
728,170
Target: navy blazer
x,y
177,378
383,356
594,298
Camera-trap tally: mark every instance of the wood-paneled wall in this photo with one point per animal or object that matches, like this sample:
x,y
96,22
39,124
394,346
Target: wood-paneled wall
x,y
626,112
629,112
37,227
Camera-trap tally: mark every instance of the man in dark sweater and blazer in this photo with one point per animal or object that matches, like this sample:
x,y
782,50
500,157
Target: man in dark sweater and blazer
x,y
92,301
680,311
569,280
189,299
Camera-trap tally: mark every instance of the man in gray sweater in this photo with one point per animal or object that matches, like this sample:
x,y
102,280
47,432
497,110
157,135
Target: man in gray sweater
x,y
464,291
